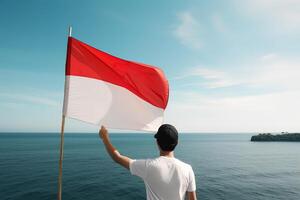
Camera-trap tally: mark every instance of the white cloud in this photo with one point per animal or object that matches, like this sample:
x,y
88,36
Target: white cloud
x,y
269,70
276,72
268,57
21,98
282,15
209,78
277,109
258,113
188,30
215,78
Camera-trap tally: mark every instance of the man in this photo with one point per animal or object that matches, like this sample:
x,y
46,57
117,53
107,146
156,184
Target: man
x,y
165,177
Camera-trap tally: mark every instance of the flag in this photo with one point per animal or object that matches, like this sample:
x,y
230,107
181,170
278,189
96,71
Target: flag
x,y
105,90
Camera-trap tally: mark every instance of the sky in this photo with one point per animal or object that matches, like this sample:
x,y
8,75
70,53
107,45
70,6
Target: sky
x,y
232,66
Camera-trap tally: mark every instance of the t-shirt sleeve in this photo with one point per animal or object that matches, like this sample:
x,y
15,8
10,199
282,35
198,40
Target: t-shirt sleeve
x,y
138,168
192,181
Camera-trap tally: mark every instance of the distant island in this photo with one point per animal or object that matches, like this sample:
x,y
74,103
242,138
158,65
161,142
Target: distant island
x,y
283,137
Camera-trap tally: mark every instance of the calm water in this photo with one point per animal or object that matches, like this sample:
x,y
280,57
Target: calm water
x,y
226,167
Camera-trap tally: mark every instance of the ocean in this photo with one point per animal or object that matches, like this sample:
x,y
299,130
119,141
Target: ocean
x,y
227,166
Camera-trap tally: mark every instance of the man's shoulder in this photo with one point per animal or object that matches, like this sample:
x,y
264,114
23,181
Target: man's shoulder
x,y
161,159
174,160
184,164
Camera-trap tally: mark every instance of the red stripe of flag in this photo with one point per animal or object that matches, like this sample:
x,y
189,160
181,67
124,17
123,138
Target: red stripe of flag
x,y
145,81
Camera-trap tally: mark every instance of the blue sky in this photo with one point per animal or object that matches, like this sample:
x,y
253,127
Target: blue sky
x,y
233,66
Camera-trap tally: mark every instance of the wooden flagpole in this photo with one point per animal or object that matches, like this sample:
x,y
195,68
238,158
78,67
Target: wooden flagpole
x,y
61,153
61,157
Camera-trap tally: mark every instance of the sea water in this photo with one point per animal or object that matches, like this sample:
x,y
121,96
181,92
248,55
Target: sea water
x,y
227,166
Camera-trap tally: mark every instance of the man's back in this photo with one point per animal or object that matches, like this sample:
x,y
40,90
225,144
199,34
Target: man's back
x,y
166,178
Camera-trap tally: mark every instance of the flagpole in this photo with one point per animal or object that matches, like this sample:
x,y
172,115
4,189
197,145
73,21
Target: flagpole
x,y
61,158
61,153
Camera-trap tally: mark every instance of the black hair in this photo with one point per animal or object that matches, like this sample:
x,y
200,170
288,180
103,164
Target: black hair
x,y
165,145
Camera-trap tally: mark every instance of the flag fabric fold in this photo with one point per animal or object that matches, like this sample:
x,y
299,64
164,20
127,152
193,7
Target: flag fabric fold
x,y
105,90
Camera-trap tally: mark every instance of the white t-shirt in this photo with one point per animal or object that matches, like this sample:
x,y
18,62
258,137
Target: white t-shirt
x,y
165,178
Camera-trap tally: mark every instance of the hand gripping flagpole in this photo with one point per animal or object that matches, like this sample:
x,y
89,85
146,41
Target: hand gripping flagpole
x,y
61,154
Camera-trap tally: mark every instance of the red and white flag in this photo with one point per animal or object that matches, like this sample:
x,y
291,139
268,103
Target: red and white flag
x,y
105,90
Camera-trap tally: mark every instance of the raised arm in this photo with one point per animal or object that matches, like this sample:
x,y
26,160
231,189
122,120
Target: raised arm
x,y
112,151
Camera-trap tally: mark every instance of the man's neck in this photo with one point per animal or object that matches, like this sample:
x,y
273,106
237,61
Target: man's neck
x,y
167,154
